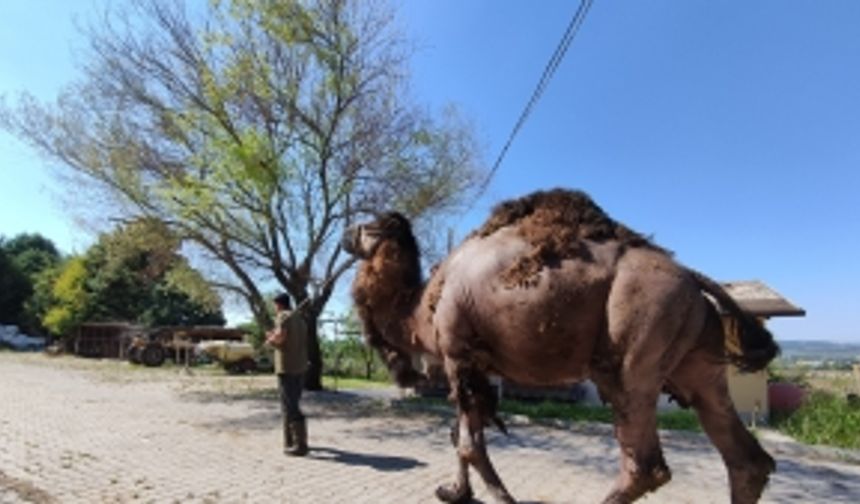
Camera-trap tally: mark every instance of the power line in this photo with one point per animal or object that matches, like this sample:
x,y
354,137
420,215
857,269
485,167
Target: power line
x,y
551,66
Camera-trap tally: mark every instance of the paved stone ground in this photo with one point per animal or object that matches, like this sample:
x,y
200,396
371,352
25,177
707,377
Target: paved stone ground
x,y
88,431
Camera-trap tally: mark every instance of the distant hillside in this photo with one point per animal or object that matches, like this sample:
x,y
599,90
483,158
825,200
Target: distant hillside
x,y
819,350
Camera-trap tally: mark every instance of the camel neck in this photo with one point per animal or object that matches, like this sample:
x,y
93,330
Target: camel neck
x,y
387,290
394,298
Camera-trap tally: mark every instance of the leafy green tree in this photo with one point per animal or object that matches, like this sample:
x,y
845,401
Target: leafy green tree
x,y
136,273
257,129
184,297
42,299
174,306
31,255
133,274
70,299
14,290
347,355
256,335
124,266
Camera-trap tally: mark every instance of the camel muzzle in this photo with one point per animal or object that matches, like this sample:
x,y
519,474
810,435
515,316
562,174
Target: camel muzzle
x,y
349,241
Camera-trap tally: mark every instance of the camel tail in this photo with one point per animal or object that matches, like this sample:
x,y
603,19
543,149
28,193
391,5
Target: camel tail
x,y
757,346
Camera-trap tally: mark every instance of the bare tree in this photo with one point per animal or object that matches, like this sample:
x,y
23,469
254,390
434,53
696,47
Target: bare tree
x,y
256,129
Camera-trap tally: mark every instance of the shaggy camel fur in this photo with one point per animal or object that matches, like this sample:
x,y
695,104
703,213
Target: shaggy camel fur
x,y
552,291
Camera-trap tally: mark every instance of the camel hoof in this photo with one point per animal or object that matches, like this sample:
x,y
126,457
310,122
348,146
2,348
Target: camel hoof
x,y
454,493
616,497
748,485
642,485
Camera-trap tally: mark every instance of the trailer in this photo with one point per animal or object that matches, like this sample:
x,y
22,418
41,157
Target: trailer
x,y
152,347
236,356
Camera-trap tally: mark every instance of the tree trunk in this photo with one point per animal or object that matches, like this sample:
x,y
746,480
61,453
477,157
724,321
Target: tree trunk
x,y
313,378
368,363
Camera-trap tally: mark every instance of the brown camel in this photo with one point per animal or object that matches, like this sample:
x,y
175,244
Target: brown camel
x,y
550,290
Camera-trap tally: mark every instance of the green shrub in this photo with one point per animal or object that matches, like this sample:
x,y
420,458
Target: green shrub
x,y
825,419
351,358
684,420
798,375
672,420
336,382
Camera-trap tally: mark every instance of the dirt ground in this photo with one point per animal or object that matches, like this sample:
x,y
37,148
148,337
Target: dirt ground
x,y
98,431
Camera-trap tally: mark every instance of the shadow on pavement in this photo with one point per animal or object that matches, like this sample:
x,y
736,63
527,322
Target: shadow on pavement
x,y
807,482
479,501
386,463
264,419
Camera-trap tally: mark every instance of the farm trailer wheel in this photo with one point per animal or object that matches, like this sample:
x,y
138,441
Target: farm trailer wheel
x,y
153,355
245,365
134,354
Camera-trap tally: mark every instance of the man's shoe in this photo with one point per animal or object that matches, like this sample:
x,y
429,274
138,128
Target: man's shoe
x,y
289,436
300,433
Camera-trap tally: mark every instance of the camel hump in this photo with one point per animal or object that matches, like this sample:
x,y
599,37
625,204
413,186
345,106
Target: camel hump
x,y
758,347
556,223
566,214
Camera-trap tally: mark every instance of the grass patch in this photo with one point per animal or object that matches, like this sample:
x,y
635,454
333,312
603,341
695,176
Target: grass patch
x,y
554,410
825,419
330,382
672,420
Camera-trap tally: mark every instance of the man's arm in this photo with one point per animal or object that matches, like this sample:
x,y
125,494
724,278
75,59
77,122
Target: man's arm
x,y
278,335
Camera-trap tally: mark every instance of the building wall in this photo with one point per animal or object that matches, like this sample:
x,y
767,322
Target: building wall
x,y
748,390
749,393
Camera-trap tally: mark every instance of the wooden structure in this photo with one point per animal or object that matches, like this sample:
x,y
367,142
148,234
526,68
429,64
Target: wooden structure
x,y
103,339
111,340
749,390
196,334
179,342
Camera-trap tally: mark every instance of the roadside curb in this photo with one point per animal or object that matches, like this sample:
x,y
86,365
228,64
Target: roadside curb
x,y
778,443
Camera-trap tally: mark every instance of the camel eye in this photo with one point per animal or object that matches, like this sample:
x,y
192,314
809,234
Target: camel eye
x,y
370,230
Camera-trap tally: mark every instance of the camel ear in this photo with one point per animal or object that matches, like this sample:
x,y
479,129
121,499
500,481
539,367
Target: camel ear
x,y
397,221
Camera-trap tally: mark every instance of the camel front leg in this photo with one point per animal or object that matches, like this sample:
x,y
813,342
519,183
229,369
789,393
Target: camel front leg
x,y
472,450
469,389
460,491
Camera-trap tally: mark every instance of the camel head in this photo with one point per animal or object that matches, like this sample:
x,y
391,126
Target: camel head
x,y
363,240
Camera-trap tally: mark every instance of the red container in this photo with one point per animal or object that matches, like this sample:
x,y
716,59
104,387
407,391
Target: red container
x,y
785,397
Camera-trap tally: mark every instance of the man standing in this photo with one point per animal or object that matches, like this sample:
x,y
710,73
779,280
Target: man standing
x,y
289,338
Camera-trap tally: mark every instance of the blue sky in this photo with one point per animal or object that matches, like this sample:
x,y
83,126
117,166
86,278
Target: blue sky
x,y
729,130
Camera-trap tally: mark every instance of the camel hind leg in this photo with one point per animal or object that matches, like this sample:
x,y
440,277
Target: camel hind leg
x,y
653,312
643,467
701,381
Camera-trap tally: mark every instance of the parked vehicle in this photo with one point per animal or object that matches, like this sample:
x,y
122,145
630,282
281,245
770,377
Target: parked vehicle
x,y
12,338
146,349
151,347
235,356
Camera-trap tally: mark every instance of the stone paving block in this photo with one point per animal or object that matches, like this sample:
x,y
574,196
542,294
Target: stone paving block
x,y
88,432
